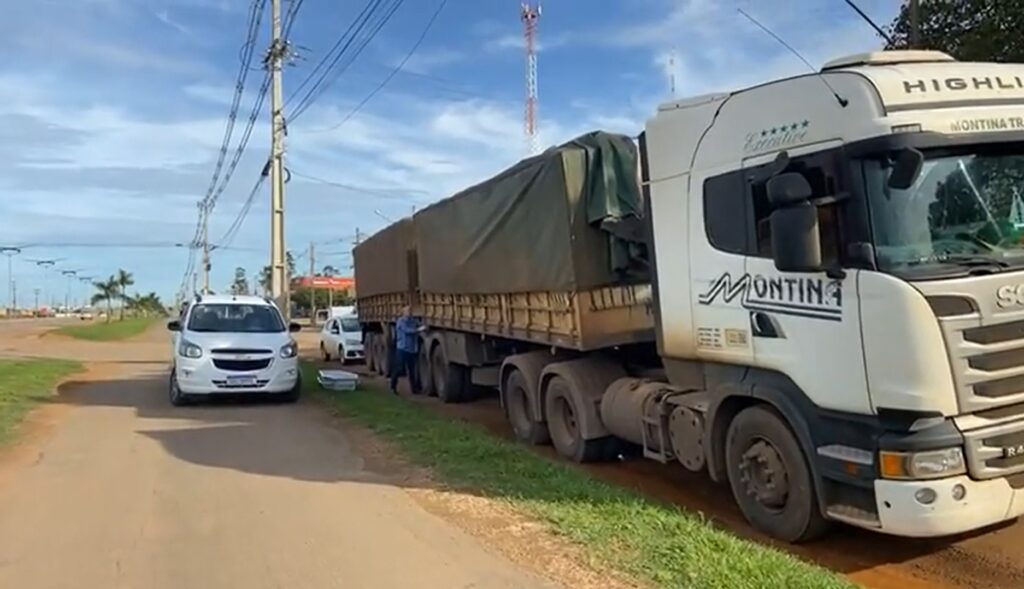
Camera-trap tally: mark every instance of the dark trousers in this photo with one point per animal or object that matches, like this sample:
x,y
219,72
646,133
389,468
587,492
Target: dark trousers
x,y
405,362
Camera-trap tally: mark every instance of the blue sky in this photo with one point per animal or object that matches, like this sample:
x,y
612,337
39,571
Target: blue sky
x,y
111,112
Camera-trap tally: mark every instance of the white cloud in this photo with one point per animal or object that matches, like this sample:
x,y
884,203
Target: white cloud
x,y
165,17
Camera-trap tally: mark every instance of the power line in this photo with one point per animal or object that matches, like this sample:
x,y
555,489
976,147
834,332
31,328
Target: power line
x,y
232,231
379,192
394,72
322,84
370,5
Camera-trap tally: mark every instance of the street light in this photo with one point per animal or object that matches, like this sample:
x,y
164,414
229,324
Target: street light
x,y
47,263
383,216
10,252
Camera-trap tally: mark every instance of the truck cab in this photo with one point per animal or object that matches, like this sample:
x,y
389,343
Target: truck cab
x,y
855,273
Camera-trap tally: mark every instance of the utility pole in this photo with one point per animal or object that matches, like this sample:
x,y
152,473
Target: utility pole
x,y
67,293
275,61
530,15
10,252
312,287
205,214
35,291
915,24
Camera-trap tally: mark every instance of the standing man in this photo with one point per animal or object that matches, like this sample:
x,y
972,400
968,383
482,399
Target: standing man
x,y
407,347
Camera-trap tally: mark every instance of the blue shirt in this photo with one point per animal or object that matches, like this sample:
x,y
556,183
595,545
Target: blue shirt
x,y
407,334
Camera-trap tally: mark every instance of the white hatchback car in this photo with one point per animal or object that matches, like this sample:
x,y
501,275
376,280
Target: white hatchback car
x,y
342,338
233,344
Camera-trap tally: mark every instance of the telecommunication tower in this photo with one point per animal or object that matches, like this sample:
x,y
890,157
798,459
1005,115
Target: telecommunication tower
x,y
530,15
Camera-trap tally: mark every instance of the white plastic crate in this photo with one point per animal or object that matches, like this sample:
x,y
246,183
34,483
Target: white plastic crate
x,y
338,380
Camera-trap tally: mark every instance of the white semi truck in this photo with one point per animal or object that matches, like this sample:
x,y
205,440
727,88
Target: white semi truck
x,y
832,316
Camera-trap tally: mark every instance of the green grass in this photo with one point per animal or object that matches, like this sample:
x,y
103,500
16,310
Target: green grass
x,y
102,331
25,383
617,528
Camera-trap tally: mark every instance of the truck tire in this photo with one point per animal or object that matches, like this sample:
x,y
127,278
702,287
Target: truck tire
x,y
561,411
451,381
370,347
384,359
770,478
517,407
425,374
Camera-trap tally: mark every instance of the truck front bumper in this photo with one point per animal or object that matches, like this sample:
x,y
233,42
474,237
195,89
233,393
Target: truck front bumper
x,y
983,504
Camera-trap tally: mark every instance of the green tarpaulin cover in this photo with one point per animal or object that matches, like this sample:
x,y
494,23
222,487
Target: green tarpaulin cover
x,y
566,219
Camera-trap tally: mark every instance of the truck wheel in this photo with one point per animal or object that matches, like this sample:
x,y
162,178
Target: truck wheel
x,y
562,412
370,347
517,406
384,355
769,476
451,381
423,368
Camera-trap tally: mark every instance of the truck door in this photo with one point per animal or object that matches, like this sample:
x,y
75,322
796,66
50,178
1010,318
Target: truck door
x,y
807,325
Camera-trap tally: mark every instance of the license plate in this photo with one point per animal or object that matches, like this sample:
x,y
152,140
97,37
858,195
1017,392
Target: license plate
x,y
242,380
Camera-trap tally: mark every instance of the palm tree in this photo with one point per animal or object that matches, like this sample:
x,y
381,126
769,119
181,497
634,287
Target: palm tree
x,y
124,279
108,290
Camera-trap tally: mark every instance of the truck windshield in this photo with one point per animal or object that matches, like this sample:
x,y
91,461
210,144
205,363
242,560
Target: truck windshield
x,y
233,318
964,209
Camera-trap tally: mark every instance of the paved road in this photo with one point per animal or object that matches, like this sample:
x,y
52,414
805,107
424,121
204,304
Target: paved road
x,y
127,491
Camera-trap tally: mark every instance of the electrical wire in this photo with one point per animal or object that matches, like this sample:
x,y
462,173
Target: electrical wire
x,y
334,71
393,73
232,231
378,192
370,5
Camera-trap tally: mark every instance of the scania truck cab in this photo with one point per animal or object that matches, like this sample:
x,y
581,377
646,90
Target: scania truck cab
x,y
850,304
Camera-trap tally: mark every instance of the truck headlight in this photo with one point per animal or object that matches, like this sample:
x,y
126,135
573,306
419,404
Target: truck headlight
x,y
289,350
188,349
931,464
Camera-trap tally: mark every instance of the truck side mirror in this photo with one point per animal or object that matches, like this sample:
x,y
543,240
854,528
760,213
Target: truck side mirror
x,y
796,239
906,167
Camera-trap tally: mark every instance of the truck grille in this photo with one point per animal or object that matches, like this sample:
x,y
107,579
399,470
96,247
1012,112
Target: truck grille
x,y
241,365
988,363
996,452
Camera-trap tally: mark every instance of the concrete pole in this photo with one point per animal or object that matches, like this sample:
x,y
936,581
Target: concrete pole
x,y
312,287
278,268
206,250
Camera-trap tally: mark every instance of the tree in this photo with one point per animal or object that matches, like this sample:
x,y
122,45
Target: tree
x,y
330,270
108,290
124,279
148,304
265,278
240,286
969,30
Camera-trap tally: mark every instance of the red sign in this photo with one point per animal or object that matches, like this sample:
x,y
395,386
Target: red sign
x,y
331,282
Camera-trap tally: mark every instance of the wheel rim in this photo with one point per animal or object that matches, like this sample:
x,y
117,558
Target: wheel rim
x,y
764,476
562,423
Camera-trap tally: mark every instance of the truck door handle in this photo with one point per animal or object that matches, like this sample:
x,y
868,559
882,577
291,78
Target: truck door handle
x,y
764,325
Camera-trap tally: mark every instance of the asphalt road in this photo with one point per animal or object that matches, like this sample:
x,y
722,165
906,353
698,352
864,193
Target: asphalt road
x,y
116,488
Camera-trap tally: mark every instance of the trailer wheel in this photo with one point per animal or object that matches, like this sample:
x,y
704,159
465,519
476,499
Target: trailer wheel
x,y
770,478
383,354
423,367
518,409
370,347
563,425
451,381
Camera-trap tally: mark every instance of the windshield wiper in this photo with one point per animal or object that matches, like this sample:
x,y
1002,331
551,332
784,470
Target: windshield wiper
x,y
973,260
